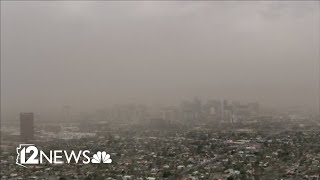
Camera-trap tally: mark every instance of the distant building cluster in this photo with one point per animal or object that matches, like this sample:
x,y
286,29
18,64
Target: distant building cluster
x,y
216,110
188,111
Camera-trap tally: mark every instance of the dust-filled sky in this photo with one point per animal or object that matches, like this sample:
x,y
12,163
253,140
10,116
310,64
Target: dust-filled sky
x,y
94,54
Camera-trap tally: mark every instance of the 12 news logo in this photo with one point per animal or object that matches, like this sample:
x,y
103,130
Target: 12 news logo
x,y
28,154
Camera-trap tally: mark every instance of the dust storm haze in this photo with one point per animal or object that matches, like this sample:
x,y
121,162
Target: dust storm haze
x,y
89,55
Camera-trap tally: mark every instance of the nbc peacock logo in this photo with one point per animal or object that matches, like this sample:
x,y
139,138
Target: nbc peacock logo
x,y
101,157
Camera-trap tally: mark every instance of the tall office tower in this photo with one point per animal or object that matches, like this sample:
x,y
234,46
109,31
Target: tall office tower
x,y
26,126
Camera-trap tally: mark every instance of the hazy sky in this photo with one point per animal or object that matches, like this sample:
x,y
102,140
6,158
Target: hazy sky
x,y
93,54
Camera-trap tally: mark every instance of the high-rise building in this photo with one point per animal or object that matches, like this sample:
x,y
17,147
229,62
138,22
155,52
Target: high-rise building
x,y
26,126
